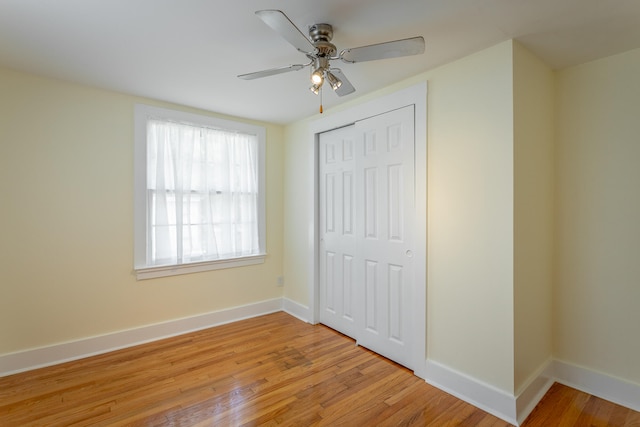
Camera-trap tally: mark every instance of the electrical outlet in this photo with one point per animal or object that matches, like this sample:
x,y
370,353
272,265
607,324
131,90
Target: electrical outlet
x,y
280,281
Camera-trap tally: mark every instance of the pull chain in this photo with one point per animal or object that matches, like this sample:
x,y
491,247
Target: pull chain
x,y
320,100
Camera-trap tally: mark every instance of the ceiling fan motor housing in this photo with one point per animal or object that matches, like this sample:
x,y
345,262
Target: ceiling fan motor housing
x,y
321,34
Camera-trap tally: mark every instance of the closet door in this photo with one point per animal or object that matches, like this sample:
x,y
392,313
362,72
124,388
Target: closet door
x,y
366,177
337,229
384,246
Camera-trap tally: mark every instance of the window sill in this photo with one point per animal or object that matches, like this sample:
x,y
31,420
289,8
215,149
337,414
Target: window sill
x,y
196,267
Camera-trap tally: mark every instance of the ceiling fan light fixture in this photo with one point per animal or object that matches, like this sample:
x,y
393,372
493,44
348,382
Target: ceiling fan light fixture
x,y
317,77
333,80
315,88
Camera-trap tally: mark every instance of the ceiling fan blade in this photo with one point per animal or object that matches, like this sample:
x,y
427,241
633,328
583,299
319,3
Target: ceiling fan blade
x,y
277,20
346,87
394,49
271,72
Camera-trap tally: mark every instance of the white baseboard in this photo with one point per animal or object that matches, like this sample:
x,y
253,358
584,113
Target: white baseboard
x,y
59,353
472,391
598,384
534,390
515,409
296,309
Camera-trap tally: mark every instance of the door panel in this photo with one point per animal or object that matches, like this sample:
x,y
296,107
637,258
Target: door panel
x,y
337,230
386,168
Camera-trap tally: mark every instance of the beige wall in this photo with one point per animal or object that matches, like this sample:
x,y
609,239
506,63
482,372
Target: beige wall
x,y
533,87
66,257
470,216
470,213
597,288
297,211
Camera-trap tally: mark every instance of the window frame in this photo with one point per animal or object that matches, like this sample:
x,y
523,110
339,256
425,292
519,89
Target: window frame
x,y
142,113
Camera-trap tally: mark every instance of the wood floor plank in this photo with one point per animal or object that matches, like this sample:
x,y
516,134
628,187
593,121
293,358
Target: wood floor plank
x,y
271,371
633,419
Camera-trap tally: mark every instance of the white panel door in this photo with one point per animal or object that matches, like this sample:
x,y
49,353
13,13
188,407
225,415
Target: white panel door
x,y
337,229
366,217
385,208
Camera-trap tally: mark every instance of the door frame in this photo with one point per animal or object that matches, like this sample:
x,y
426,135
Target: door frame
x,y
415,95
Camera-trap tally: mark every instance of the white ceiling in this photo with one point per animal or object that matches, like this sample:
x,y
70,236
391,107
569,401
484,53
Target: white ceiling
x,y
190,51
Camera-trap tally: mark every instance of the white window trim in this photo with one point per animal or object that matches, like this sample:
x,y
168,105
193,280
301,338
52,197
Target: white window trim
x,y
141,114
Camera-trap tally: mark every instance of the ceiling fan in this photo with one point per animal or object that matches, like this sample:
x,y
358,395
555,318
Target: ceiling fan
x,y
320,52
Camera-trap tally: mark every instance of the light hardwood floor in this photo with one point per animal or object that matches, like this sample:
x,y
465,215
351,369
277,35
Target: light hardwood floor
x,y
269,370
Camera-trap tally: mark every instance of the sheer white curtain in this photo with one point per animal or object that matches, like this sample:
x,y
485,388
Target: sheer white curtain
x,y
202,193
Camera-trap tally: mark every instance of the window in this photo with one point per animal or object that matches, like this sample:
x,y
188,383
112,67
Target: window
x,y
199,193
